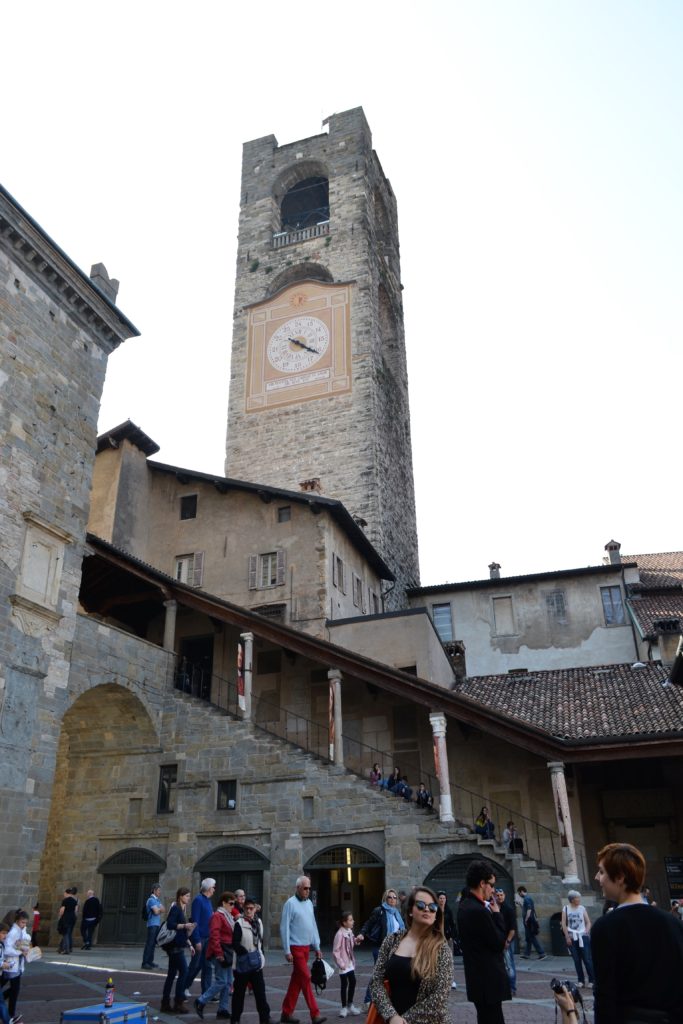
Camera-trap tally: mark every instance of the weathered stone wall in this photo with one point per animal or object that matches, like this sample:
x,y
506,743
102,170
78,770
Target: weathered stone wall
x,y
56,332
358,444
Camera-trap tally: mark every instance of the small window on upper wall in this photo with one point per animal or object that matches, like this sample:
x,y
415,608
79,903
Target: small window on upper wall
x,y
168,780
612,606
227,795
358,592
338,573
190,569
503,618
188,506
556,606
284,514
443,622
374,602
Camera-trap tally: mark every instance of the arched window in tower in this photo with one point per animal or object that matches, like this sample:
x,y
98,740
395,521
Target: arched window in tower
x,y
305,204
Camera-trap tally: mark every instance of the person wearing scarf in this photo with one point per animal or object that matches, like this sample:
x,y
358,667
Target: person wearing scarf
x,y
384,920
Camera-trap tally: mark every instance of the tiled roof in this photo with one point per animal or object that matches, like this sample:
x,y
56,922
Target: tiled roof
x,y
651,607
607,702
662,569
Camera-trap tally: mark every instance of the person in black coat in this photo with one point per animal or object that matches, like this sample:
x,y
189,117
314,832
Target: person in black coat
x,y
637,949
482,937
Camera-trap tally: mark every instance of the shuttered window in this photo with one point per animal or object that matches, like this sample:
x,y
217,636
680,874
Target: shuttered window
x,y
190,569
267,570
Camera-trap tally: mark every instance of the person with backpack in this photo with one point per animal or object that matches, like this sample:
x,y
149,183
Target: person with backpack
x,y
531,925
151,914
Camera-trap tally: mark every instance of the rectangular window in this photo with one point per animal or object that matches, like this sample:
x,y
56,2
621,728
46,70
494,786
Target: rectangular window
x,y
284,514
267,570
358,593
190,569
443,623
556,606
503,619
168,779
338,573
374,602
612,606
188,506
227,795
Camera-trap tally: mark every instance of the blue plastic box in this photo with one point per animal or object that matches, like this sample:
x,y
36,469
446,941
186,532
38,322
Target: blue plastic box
x,y
117,1013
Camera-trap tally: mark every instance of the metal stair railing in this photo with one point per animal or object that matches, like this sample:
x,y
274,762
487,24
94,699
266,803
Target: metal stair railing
x,y
541,843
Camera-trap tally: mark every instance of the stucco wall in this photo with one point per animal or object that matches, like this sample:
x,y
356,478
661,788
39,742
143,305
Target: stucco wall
x,y
401,641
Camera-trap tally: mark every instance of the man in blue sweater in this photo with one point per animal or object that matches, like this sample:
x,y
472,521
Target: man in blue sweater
x,y
299,934
200,913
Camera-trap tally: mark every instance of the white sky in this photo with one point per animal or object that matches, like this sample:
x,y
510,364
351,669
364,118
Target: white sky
x,y
536,152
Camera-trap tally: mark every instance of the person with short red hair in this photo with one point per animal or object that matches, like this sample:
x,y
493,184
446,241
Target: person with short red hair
x,y
637,949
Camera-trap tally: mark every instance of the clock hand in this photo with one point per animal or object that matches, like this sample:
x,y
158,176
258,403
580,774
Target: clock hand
x,y
301,344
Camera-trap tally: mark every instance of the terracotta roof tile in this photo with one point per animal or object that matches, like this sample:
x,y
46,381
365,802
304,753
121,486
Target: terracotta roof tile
x,y
661,569
601,702
650,607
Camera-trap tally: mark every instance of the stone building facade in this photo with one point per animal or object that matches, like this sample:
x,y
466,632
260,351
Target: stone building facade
x,y
319,386
295,556
57,328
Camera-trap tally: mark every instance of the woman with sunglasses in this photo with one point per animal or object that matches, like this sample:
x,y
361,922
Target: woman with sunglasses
x,y
414,969
384,920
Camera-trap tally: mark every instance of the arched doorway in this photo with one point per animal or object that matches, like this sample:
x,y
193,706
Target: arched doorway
x,y
235,867
449,875
128,878
344,878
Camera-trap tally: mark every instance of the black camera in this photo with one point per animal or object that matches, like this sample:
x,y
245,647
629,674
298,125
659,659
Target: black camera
x,y
557,984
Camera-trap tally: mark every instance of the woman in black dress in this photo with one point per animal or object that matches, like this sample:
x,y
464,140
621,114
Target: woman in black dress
x,y
414,969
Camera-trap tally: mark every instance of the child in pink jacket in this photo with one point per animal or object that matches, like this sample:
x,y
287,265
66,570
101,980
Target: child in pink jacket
x,y
342,951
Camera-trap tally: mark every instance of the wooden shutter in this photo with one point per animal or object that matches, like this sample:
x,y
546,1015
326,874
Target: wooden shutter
x,y
281,566
253,560
334,569
197,569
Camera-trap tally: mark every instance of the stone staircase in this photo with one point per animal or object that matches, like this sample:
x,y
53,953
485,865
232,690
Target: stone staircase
x,y
342,794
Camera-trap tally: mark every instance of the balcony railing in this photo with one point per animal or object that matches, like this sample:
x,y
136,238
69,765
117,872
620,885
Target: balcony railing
x,y
282,238
541,843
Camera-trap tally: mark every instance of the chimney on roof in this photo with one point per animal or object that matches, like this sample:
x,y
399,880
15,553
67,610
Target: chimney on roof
x,y
106,284
613,547
312,485
494,571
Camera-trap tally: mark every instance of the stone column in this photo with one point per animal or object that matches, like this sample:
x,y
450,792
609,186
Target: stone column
x,y
247,665
564,822
169,625
335,714
437,721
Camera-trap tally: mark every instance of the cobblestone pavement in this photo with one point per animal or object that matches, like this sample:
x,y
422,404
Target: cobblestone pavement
x,y
59,983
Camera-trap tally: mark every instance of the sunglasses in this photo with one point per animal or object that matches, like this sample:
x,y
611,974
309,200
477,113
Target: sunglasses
x,y
431,907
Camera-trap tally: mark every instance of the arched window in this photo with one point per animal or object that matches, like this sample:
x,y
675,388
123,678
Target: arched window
x,y
305,204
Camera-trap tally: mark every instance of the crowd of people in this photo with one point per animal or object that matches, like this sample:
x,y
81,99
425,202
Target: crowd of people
x,y
631,955
398,785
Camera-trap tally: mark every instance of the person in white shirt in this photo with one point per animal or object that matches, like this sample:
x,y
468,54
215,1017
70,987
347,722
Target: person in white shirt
x,y
576,926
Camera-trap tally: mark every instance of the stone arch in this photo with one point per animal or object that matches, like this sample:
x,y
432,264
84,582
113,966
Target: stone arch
x,y
295,174
106,767
235,866
449,875
307,271
128,877
345,876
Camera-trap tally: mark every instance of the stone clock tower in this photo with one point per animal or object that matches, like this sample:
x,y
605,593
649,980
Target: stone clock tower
x,y
319,388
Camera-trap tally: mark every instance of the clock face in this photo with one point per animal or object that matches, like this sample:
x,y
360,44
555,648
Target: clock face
x,y
298,344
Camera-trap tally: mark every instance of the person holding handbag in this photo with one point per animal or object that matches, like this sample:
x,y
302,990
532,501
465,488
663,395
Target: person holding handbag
x,y
219,958
247,943
576,926
414,970
177,964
